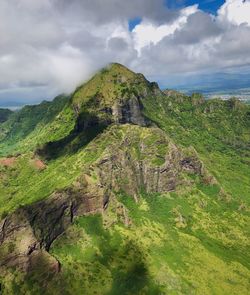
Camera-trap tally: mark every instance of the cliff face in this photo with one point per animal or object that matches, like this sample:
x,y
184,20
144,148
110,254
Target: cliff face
x,y
27,234
121,112
130,112
145,159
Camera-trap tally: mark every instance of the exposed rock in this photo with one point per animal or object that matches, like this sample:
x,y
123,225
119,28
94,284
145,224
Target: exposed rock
x,y
8,162
30,230
129,112
45,261
178,96
155,88
235,104
120,170
191,164
38,164
118,98
242,207
197,99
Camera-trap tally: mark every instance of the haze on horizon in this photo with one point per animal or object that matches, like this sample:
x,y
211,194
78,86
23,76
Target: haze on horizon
x,y
48,47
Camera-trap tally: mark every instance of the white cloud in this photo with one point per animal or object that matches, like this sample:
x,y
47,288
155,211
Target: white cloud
x,y
147,32
50,46
235,11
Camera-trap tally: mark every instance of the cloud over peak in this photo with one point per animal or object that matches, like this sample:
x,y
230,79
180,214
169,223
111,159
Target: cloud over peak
x,y
57,44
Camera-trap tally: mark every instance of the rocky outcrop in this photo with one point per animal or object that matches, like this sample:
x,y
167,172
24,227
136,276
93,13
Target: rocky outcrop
x,y
123,111
114,95
27,234
176,95
120,172
129,112
235,104
197,99
192,165
151,172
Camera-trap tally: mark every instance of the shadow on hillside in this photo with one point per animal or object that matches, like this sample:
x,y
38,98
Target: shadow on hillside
x,y
124,260
135,280
86,129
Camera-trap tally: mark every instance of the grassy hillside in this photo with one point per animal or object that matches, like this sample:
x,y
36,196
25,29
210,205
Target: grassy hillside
x,y
219,131
192,238
23,128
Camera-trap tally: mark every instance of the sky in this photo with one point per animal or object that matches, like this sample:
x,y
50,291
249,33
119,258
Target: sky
x,y
48,47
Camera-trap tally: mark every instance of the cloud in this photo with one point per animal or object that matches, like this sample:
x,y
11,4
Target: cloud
x,y
203,43
235,11
199,26
147,32
50,46
100,12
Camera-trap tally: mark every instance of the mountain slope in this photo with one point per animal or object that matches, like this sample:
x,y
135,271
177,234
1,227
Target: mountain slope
x,y
219,130
30,119
126,189
4,115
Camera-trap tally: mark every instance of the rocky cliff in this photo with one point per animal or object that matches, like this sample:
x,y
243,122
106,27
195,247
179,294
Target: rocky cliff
x,y
29,232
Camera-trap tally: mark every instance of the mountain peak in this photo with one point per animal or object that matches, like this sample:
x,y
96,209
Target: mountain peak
x,y
117,67
114,82
117,73
115,93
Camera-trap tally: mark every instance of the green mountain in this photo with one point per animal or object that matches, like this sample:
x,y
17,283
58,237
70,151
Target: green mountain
x,y
4,115
122,188
29,121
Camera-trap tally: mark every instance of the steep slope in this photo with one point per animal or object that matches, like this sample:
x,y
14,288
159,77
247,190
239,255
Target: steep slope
x,y
115,94
122,166
219,131
27,120
110,195
4,115
112,95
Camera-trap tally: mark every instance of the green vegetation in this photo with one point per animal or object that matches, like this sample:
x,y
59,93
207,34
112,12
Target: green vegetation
x,y
219,131
25,128
108,85
4,115
193,240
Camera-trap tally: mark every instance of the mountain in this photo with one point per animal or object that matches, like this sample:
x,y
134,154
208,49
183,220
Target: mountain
x,y
4,115
27,120
121,188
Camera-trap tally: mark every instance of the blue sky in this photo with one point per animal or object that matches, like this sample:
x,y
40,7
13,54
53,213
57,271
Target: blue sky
x,y
210,6
47,49
134,22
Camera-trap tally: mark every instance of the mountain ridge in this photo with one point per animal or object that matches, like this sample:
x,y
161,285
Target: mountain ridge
x,y
117,184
